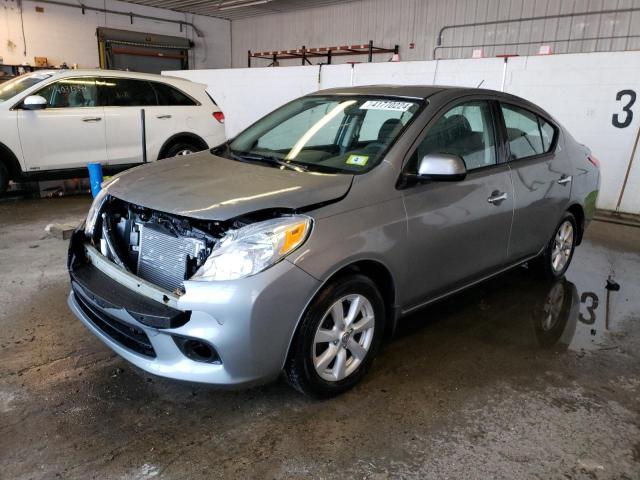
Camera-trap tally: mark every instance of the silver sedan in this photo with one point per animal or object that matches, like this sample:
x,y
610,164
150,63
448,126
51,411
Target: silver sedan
x,y
296,246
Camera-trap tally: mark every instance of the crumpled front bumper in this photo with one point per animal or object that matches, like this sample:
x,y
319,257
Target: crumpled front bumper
x,y
249,322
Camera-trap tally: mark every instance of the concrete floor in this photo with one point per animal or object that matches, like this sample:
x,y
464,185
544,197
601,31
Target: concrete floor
x,y
480,386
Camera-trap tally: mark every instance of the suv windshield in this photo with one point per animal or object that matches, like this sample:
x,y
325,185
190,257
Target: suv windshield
x,y
338,133
20,84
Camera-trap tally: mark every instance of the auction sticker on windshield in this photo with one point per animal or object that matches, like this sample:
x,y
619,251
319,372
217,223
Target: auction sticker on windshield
x,y
386,105
359,160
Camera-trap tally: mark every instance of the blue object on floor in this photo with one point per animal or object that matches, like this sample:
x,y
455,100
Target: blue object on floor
x,y
95,177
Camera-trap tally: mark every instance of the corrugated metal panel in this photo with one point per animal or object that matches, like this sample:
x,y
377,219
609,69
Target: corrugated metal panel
x,y
234,9
404,21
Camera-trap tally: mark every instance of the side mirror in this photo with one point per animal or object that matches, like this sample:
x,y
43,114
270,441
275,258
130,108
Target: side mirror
x,y
34,102
442,167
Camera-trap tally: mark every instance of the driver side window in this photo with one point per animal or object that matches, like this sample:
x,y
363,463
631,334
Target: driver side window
x,y
71,93
465,130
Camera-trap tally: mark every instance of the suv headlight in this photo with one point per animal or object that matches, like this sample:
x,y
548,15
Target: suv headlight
x,y
251,249
92,216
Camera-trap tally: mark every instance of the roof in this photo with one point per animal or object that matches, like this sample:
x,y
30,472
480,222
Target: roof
x,y
407,91
422,92
110,73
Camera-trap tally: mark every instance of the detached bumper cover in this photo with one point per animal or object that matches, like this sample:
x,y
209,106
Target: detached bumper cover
x,y
249,322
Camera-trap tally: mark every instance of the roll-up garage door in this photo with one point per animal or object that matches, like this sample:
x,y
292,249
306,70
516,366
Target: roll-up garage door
x,y
142,52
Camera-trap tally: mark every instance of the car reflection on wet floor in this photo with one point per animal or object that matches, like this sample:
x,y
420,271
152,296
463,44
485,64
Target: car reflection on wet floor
x,y
589,309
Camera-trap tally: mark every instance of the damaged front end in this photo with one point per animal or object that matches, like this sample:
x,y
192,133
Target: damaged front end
x,y
165,250
162,249
189,298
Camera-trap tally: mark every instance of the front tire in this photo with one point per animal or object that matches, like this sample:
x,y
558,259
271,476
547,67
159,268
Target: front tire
x,y
4,179
557,255
338,338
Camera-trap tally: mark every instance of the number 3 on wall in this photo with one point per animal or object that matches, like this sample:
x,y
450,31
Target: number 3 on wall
x,y
626,108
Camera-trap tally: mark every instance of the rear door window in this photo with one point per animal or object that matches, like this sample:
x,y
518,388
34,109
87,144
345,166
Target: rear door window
x,y
125,92
528,134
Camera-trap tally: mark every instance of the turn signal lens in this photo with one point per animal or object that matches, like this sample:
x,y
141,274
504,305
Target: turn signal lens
x,y
294,235
219,116
595,162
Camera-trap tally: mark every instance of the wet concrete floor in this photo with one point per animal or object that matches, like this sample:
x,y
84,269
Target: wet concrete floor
x,y
512,379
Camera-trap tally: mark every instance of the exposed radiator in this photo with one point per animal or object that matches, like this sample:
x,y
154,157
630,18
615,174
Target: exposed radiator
x,y
163,257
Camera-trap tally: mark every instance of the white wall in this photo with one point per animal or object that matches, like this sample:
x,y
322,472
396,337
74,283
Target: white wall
x,y
577,89
64,34
389,22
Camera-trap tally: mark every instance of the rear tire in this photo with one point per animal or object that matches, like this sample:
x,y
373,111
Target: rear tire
x,y
338,338
557,255
181,148
4,178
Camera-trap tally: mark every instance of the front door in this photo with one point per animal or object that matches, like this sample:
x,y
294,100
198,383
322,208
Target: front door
x,y
458,231
69,132
541,173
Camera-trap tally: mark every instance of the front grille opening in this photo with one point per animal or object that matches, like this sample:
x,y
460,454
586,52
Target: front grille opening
x,y
161,248
126,335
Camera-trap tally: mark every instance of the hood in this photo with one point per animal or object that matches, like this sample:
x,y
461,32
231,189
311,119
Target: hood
x,y
208,187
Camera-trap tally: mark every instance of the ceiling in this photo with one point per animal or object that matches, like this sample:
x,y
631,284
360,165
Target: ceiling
x,y
235,9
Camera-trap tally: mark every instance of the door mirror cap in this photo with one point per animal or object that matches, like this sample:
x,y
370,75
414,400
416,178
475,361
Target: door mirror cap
x,y
34,102
442,167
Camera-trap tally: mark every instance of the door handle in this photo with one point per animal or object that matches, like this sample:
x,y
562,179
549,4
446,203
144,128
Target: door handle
x,y
162,117
92,119
564,179
497,197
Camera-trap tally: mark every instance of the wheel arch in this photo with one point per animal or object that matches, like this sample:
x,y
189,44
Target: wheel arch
x,y
379,273
10,161
578,212
182,137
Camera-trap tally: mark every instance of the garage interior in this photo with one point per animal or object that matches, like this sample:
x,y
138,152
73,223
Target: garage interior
x,y
512,378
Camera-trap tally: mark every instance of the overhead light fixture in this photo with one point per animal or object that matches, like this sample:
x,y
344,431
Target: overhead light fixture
x,y
240,5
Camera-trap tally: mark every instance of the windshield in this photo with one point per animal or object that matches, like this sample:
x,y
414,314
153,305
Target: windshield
x,y
20,84
339,133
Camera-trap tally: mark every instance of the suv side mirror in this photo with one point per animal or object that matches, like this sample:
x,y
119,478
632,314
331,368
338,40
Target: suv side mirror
x,y
34,102
442,167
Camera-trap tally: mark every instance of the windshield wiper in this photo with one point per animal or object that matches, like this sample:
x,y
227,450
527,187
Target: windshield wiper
x,y
253,157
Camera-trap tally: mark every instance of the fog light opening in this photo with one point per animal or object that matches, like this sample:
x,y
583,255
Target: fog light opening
x,y
197,350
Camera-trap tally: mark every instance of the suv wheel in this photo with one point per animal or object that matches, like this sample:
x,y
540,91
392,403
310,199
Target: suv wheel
x,y
181,148
557,255
4,178
338,338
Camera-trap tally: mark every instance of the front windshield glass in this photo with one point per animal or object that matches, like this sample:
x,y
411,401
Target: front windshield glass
x,y
339,133
20,84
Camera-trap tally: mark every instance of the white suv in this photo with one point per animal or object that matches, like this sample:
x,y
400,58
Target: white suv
x,y
54,122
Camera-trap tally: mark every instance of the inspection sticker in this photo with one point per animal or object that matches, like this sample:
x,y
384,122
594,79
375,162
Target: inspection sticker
x,y
386,105
359,160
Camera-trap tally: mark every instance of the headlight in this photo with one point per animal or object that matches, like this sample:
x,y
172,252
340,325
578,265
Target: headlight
x,y
251,249
92,216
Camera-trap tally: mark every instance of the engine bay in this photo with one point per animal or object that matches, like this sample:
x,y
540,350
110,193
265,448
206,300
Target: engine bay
x,y
161,248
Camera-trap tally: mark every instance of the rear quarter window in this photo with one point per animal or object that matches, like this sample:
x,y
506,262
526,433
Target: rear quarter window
x,y
168,95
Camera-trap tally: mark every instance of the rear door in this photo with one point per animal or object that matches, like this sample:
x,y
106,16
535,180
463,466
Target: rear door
x,y
458,231
541,173
125,99
69,132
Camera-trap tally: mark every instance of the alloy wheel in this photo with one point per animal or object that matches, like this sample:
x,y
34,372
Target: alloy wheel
x,y
562,246
343,337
